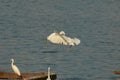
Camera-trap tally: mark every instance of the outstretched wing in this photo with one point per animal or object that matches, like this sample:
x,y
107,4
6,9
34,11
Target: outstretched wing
x,y
69,40
56,38
59,38
76,41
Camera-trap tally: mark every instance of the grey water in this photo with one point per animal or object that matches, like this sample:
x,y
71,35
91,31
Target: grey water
x,y
25,25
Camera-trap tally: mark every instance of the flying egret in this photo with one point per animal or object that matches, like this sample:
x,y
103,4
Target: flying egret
x,y
61,38
48,74
15,68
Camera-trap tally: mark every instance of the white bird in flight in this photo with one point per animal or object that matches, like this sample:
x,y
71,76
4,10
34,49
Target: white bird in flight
x,y
48,74
61,38
15,68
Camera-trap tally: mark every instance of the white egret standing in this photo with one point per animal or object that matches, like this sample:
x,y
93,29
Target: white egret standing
x,y
15,68
60,38
48,74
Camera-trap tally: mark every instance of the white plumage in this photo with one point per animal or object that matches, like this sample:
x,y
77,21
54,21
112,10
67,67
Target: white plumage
x,y
15,68
60,38
48,74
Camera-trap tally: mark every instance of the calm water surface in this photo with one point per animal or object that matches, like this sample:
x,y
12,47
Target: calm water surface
x,y
25,24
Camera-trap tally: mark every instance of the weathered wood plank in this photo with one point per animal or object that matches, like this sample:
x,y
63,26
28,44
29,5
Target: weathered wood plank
x,y
117,72
30,76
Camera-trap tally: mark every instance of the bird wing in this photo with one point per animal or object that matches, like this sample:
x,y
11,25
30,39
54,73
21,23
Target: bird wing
x,y
69,40
76,41
72,41
16,70
56,38
62,39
